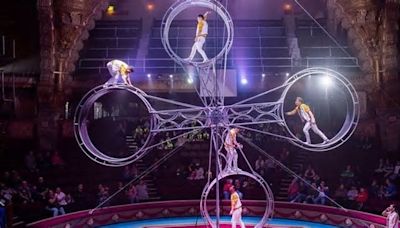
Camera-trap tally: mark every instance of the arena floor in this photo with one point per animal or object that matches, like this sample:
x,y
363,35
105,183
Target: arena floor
x,y
197,222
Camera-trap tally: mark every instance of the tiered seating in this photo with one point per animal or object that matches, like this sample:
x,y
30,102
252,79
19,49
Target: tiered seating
x,y
258,46
317,49
109,40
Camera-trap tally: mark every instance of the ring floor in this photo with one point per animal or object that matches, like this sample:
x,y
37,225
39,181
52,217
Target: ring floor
x,y
197,222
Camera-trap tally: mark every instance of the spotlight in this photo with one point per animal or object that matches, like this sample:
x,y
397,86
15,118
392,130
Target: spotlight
x,y
171,76
326,81
149,75
150,7
190,80
110,10
287,9
287,74
244,81
263,75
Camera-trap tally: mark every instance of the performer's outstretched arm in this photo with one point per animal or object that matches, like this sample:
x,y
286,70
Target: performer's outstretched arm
x,y
206,14
291,113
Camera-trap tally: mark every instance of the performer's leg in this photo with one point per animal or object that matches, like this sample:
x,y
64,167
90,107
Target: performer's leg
x,y
112,73
306,130
241,223
229,159
200,44
317,131
235,159
193,52
234,219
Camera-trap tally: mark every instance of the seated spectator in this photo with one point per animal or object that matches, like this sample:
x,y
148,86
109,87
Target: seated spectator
x,y
301,197
391,190
322,193
259,166
361,198
80,198
56,160
352,196
387,168
61,198
142,193
341,194
25,193
41,188
294,189
53,206
396,172
347,176
238,188
373,189
199,172
227,186
379,169
30,162
269,165
6,193
309,173
312,193
102,195
132,194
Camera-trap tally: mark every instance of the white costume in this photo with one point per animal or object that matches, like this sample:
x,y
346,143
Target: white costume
x,y
392,220
201,34
230,147
306,115
236,210
118,69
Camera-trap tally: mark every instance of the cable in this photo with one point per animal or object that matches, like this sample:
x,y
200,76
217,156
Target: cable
x,y
143,174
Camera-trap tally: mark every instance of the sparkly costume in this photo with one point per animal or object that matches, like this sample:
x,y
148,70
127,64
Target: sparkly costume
x,y
307,116
201,34
118,69
236,210
230,147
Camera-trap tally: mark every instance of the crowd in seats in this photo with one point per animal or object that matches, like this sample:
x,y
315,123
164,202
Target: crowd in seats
x,y
354,186
32,196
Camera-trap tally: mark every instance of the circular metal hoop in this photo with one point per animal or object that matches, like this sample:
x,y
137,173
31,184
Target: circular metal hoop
x,y
269,201
352,104
180,6
81,131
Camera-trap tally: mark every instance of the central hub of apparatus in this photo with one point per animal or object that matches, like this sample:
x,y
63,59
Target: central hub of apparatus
x,y
216,116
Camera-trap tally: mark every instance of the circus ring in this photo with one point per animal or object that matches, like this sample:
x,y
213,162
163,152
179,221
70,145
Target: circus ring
x,y
186,213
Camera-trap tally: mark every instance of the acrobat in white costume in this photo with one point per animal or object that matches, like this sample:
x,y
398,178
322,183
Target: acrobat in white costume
x,y
200,39
236,208
230,146
117,69
307,116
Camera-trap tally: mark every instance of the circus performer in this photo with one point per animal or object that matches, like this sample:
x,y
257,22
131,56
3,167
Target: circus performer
x,y
230,146
236,208
200,39
306,115
119,69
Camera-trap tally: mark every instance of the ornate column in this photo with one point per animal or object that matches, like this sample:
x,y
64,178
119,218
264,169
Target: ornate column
x,y
64,24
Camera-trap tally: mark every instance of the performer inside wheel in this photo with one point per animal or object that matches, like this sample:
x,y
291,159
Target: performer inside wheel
x,y
236,208
200,39
307,117
119,69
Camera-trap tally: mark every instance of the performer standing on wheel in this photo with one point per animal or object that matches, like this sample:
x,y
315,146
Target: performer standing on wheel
x,y
117,69
230,146
200,39
236,208
307,116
